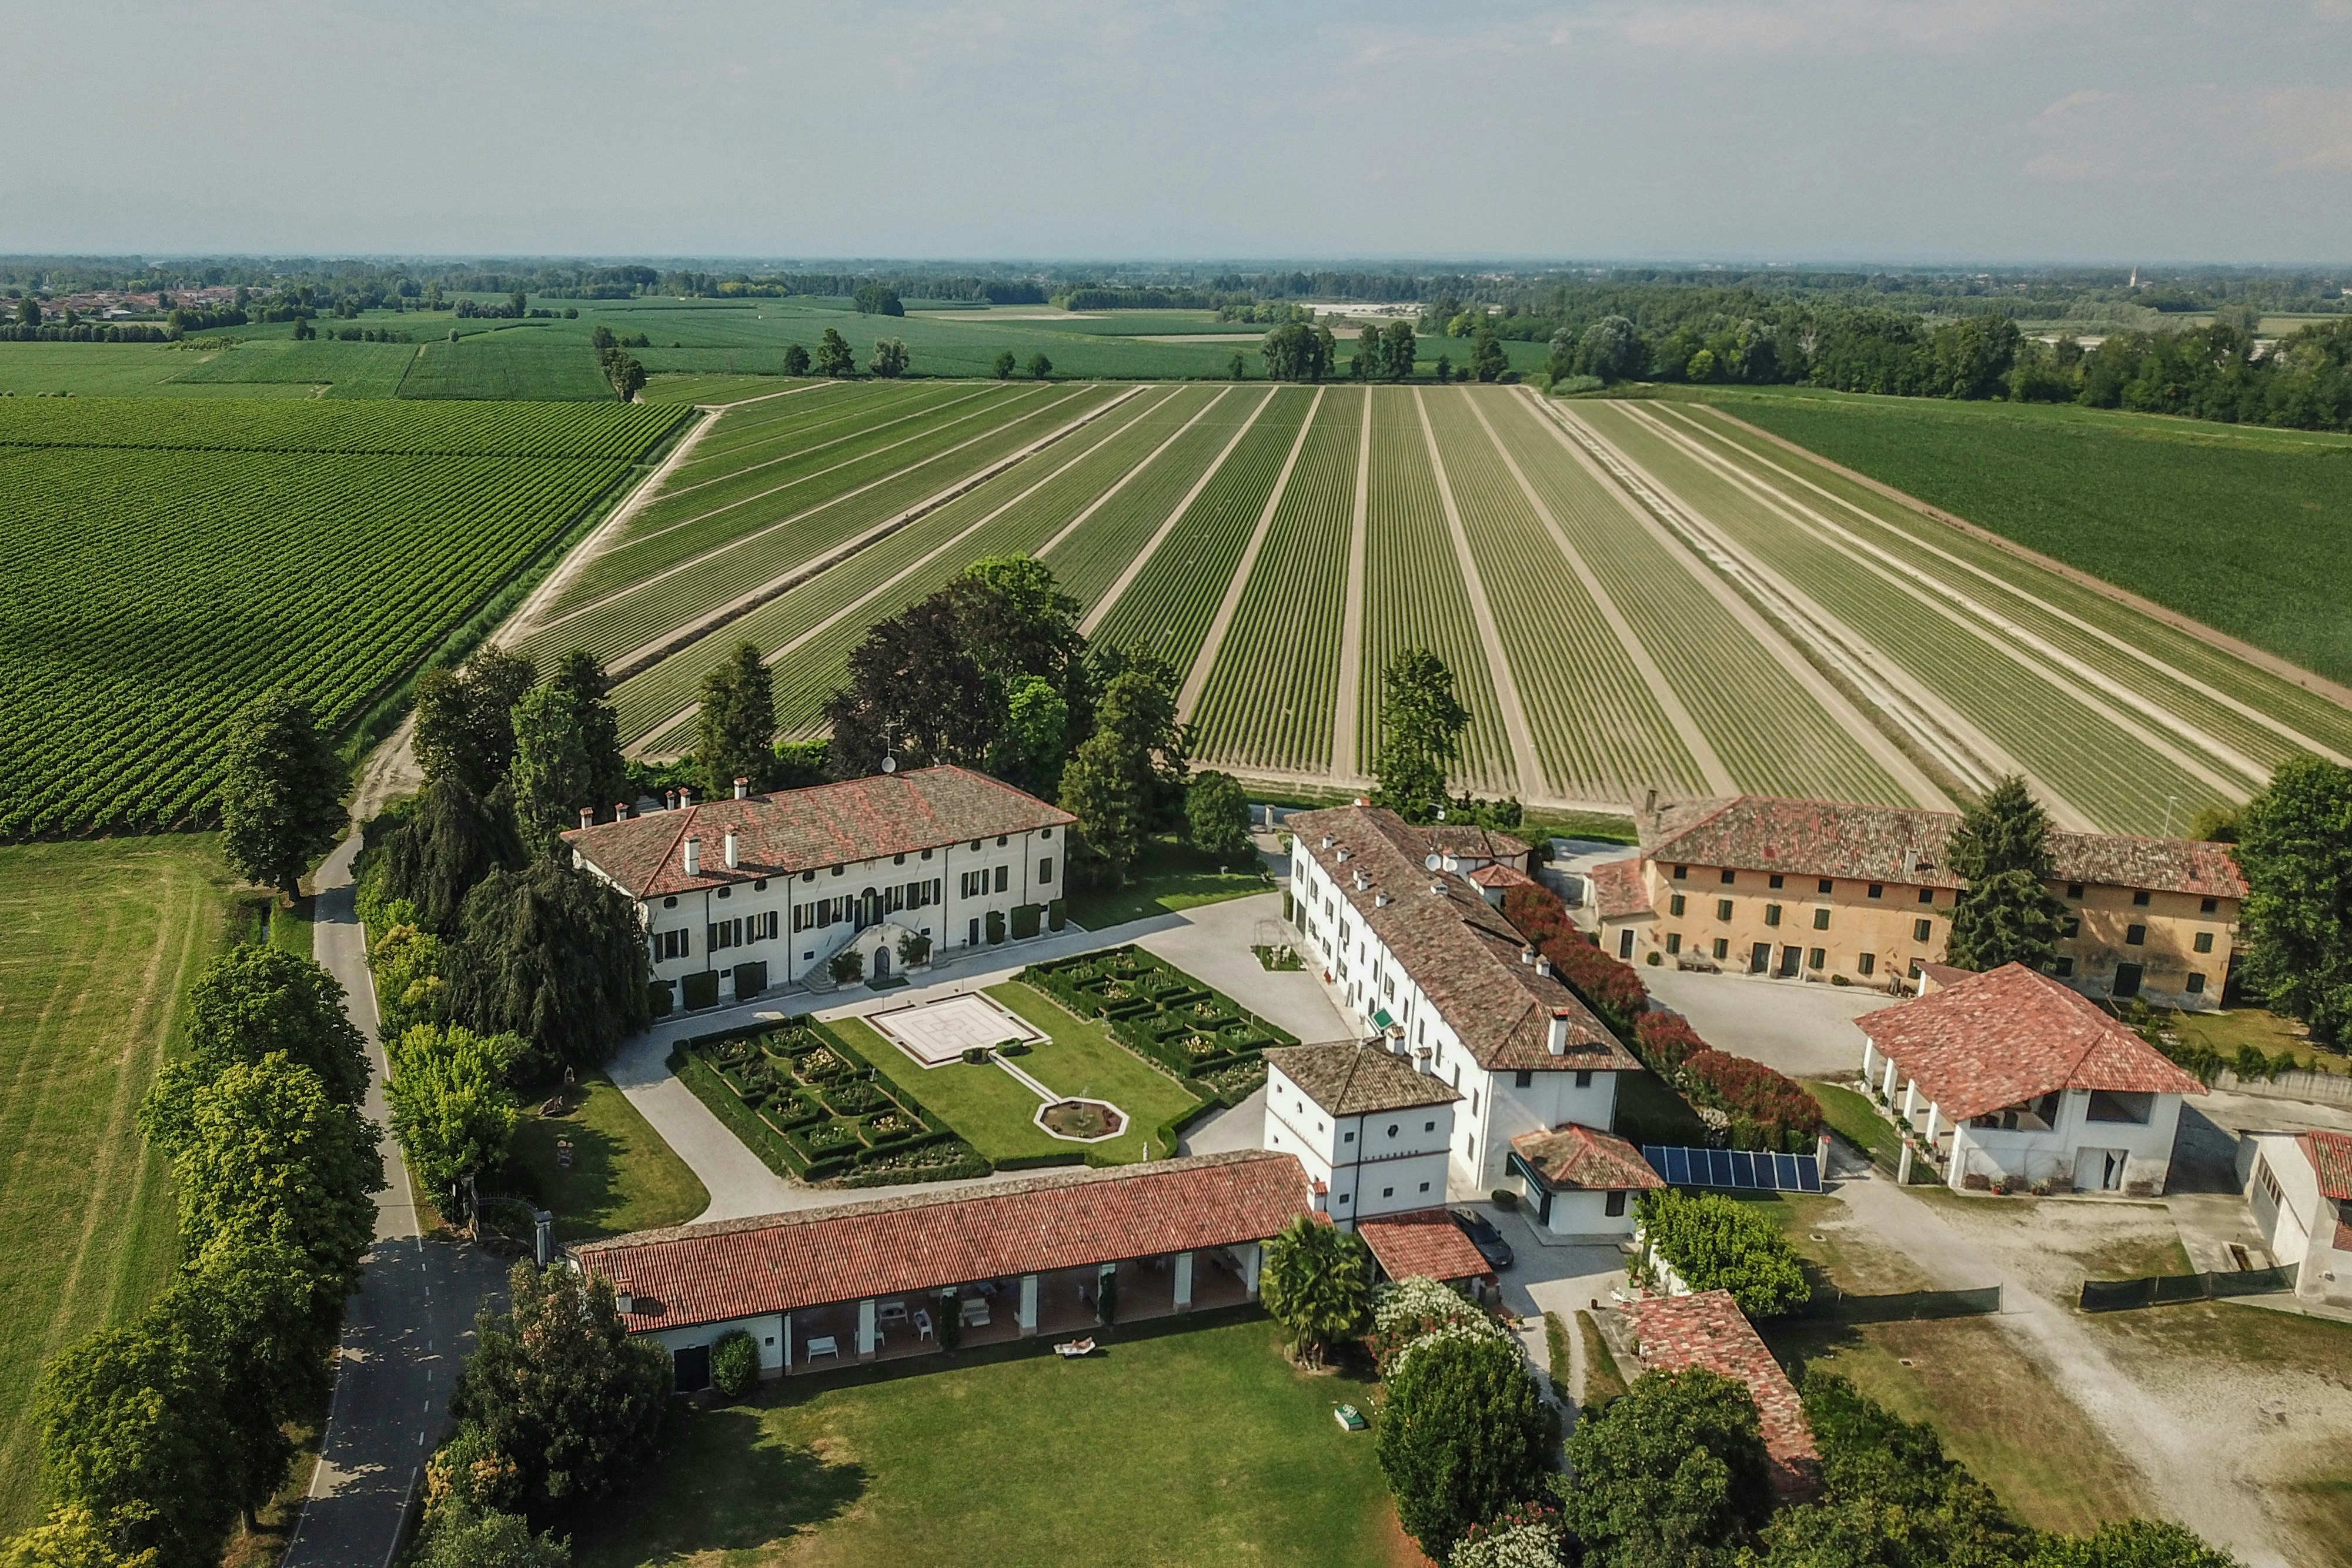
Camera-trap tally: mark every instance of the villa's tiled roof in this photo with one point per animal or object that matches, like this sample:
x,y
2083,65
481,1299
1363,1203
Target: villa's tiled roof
x,y
741,1268
2330,1154
1619,892
1708,1329
1501,875
795,831
2011,1035
1457,947
1352,1080
1576,1158
1898,844
1467,841
1425,1242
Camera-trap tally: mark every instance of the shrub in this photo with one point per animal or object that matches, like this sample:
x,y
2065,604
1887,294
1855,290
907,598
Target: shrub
x,y
1464,1436
1784,1115
1673,1472
995,926
1666,1040
1714,1243
735,1364
845,967
1610,988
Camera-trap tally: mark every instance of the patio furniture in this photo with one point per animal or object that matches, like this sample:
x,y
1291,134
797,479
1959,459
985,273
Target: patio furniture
x,y
922,1322
822,1344
1071,1349
975,1311
563,1154
893,1312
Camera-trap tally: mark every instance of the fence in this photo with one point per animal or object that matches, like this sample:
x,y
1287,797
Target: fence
x,y
1903,1306
2161,1290
2333,1088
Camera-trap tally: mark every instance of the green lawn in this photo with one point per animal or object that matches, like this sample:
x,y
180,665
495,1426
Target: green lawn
x,y
294,928
995,1113
622,1176
1171,875
1192,1449
104,937
2266,1031
1856,1119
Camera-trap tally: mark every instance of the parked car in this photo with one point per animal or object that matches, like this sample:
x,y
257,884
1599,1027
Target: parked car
x,y
1485,1237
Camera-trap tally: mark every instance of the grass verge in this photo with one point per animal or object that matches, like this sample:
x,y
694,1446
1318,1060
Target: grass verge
x,y
622,1176
1602,1380
1855,1119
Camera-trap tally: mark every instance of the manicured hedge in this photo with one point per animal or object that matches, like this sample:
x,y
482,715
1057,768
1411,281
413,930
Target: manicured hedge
x,y
1612,989
1717,1244
1164,1014
1768,1111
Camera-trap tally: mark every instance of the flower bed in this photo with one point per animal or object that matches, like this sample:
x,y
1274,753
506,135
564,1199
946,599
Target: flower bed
x,y
1166,1017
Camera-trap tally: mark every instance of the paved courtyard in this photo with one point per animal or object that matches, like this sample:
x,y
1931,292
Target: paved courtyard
x,y
1803,1029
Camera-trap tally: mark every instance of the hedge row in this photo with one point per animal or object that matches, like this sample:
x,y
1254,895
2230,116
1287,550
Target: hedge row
x,y
1612,989
1768,1111
1198,1034
1716,1244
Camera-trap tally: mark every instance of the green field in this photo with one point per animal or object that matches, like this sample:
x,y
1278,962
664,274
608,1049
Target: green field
x,y
169,560
104,939
1191,1449
2240,529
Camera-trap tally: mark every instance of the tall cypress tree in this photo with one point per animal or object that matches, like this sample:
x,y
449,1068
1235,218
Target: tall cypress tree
x,y
1422,723
739,722
2007,913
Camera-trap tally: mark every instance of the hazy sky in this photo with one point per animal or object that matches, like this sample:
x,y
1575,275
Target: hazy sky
x,y
1897,129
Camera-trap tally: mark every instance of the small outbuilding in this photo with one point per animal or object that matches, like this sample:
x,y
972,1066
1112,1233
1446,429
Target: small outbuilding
x,y
2299,1185
1427,1243
1372,1129
1708,1329
2012,1080
1580,1182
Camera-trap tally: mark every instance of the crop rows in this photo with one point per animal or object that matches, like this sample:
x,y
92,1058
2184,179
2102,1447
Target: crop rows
x,y
1090,561
501,430
1268,702
152,593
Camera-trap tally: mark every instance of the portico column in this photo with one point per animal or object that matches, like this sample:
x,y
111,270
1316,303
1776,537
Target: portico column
x,y
787,1342
1886,1085
1250,1257
1028,1311
1934,1112
867,1332
1183,1281
1910,1099
1869,1059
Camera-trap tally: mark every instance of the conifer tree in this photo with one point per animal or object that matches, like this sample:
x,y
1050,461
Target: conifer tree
x,y
2007,913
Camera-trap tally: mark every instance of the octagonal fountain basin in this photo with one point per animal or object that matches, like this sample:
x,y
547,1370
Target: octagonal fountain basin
x,y
1082,1121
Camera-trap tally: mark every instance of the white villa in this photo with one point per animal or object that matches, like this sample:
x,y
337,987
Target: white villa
x,y
1371,1132
2013,1080
735,896
2300,1187
1401,925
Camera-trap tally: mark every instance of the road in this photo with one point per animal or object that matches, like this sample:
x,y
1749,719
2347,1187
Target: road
x,y
406,1330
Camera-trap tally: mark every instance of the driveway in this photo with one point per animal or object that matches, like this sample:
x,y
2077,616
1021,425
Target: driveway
x,y
1804,1030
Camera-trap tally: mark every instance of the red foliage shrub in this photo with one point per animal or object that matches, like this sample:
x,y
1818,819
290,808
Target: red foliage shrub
x,y
1750,1092
1609,987
1667,1040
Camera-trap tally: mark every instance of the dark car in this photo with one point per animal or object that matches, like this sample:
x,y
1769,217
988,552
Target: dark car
x,y
1485,1237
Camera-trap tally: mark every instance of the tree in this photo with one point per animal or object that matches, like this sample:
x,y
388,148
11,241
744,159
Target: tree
x,y
464,729
2295,849
1098,788
250,1309
1487,360
1003,365
1465,1434
254,1001
878,300
551,954
586,691
552,778
1237,367
833,356
915,692
556,1384
2129,1543
627,376
1399,348
28,311
1443,370
73,1537
1129,776
1015,621
1422,723
491,1541
1217,814
1040,367
1611,349
449,841
737,724
1318,1285
281,802
1368,352
2006,914
450,1105
889,358
1673,1472
518,303
1035,743
131,1429
796,360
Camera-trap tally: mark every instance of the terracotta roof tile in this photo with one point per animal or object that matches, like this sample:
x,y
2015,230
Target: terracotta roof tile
x,y
1618,890
1353,1080
1893,843
1458,947
795,830
2330,1154
1576,1158
1708,1329
1501,875
2000,1038
709,1273
1425,1242
1467,841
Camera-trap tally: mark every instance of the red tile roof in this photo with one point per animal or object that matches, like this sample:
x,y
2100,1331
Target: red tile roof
x,y
795,831
1618,890
1470,841
1708,1329
1575,1157
1457,947
741,1268
1353,1078
2008,1036
1893,843
1501,875
1425,1242
2330,1154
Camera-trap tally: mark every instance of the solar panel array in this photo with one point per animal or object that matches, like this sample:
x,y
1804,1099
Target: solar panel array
x,y
1743,1170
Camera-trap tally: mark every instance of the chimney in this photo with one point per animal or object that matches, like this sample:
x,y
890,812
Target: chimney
x,y
587,816
1380,901
1543,966
693,853
1649,803
1558,1041
620,811
1326,840
1363,800
685,797
742,786
1361,881
669,799
1910,862
1526,954
731,849
1343,854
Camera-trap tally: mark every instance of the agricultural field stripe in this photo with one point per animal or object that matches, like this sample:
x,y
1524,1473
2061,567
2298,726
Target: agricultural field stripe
x,y
861,431
2121,646
763,397
1719,778
1482,611
1970,755
1189,698
1346,762
645,657
1075,524
1924,790
1168,524
2033,654
525,620
741,539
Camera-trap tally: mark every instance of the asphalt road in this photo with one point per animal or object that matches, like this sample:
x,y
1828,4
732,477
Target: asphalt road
x,y
407,1330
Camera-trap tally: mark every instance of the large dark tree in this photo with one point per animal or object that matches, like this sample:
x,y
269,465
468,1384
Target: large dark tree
x,y
1673,1472
551,954
2007,913
451,840
248,1307
131,1427
254,1000
738,723
915,692
557,1385
2294,848
1129,776
1465,1434
281,802
552,777
1610,349
1422,723
464,725
833,357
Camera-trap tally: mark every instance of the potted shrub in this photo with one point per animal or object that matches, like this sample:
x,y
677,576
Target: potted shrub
x,y
735,1364
846,967
914,950
995,926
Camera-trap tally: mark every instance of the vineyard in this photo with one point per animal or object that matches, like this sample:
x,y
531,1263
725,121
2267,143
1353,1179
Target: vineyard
x,y
1631,596
167,560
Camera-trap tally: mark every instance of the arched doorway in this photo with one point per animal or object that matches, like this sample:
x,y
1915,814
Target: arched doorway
x,y
881,963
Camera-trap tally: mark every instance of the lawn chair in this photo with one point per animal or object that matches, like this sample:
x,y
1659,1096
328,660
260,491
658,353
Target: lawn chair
x,y
922,1323
1072,1348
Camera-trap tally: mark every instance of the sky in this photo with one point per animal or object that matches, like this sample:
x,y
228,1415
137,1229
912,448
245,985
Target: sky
x,y
1894,130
